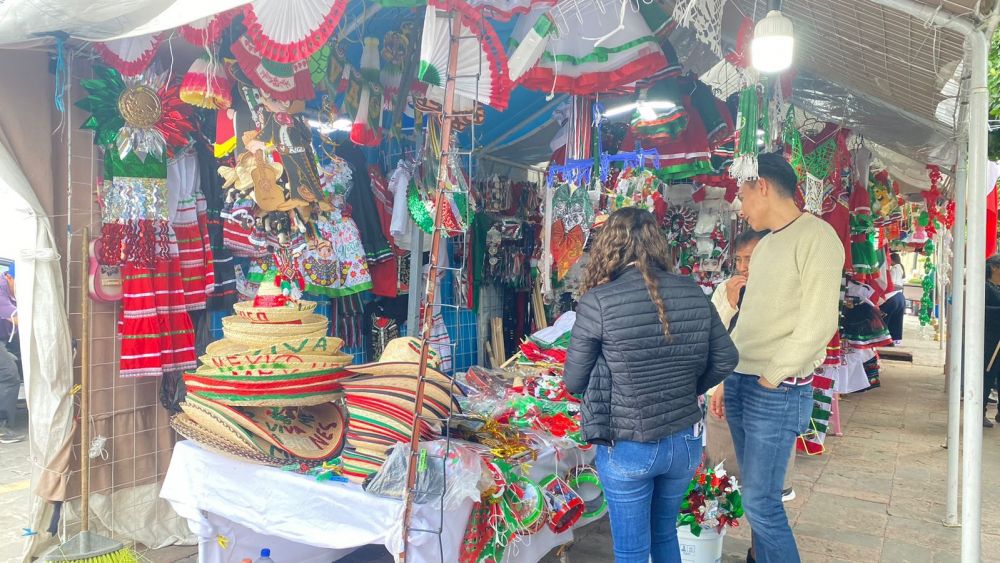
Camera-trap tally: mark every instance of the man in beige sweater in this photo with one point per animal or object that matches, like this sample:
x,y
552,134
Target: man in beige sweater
x,y
789,312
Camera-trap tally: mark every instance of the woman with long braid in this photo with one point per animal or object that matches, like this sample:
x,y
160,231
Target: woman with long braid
x,y
645,345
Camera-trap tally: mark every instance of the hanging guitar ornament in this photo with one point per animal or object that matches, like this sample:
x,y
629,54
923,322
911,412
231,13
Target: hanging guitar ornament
x,y
129,56
482,73
285,32
207,31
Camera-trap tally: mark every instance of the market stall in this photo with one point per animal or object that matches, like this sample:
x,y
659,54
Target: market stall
x,y
346,240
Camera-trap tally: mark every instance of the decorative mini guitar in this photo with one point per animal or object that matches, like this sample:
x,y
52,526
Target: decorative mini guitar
x,y
104,282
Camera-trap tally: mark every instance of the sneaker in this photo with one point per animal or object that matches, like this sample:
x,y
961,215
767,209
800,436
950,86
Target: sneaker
x,y
750,558
788,495
987,423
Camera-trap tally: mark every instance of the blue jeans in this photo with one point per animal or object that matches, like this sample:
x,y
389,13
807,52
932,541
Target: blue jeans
x,y
644,484
764,424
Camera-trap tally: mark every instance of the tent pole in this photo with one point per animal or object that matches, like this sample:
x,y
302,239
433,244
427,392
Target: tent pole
x,y
956,329
975,299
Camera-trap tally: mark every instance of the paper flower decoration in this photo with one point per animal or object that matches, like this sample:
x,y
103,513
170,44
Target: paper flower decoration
x,y
139,114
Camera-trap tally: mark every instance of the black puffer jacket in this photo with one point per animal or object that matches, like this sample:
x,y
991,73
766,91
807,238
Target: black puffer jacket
x,y
638,385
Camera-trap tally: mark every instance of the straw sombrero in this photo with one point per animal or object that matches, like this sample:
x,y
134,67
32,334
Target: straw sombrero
x,y
185,426
359,465
402,391
405,350
256,395
272,364
308,323
271,306
312,346
311,433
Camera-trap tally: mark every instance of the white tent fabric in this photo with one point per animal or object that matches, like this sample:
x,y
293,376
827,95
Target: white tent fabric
x,y
23,21
46,351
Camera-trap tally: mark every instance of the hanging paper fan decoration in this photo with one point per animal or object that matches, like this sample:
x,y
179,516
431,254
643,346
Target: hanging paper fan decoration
x,y
284,82
598,46
137,114
207,31
206,84
506,10
286,32
131,55
480,54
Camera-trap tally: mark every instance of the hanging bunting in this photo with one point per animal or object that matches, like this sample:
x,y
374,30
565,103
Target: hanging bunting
x,y
482,73
366,130
282,81
744,167
287,32
206,84
129,56
207,31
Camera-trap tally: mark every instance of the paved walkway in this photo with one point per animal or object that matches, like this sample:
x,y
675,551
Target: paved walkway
x,y
876,495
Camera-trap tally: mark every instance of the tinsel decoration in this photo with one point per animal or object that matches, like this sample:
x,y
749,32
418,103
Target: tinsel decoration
x,y
926,311
744,165
422,211
712,501
139,114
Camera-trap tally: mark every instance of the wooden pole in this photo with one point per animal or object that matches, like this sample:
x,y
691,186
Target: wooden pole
x,y
84,384
428,313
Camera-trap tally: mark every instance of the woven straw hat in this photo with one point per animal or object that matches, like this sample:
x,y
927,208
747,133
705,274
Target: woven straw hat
x,y
252,395
185,426
312,345
382,369
293,311
312,433
244,363
402,391
234,325
405,350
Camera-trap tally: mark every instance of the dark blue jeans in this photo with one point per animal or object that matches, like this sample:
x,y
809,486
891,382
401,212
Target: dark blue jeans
x,y
644,484
764,424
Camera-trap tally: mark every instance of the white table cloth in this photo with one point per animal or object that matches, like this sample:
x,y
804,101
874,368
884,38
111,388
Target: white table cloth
x,y
236,508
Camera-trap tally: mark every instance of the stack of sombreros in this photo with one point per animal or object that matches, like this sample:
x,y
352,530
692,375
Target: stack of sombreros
x,y
381,398
270,390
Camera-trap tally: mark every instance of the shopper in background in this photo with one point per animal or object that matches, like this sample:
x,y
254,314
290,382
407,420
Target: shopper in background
x,y
991,334
645,345
789,313
894,304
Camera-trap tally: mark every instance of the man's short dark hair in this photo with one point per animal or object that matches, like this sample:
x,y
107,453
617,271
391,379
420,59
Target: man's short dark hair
x,y
775,169
747,237
992,264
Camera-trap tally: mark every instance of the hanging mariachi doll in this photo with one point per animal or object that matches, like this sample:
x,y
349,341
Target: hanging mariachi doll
x,y
140,122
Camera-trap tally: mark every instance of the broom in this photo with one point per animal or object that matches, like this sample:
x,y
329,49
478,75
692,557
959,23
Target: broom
x,y
87,547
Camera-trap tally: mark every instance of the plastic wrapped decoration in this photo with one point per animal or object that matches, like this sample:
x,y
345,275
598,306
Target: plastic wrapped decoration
x,y
712,501
565,506
926,311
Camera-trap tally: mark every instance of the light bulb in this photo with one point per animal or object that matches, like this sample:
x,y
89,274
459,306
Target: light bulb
x,y
773,43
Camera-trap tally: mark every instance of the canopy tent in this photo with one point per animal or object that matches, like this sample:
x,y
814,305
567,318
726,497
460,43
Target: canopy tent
x,y
888,69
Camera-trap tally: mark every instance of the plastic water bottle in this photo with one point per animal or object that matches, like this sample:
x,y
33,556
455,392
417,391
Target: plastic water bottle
x,y
265,556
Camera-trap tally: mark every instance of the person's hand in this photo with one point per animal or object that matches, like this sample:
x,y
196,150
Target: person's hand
x,y
765,383
733,287
717,403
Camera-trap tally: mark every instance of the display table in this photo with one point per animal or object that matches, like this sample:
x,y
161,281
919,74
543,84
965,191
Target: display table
x,y
236,508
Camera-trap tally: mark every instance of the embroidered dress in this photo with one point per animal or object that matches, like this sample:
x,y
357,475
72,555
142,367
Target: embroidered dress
x,y
183,182
223,294
334,263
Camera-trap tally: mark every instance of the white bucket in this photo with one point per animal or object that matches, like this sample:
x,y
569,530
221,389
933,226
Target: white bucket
x,y
707,548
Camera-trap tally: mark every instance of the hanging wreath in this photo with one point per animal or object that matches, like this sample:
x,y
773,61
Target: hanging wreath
x,y
139,114
457,214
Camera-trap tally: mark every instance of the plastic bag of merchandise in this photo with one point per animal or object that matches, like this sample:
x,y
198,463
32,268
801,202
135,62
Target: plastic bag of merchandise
x,y
485,391
452,472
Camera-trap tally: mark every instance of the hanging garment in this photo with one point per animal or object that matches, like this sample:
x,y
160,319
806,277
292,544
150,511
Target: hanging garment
x,y
223,294
362,204
183,183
